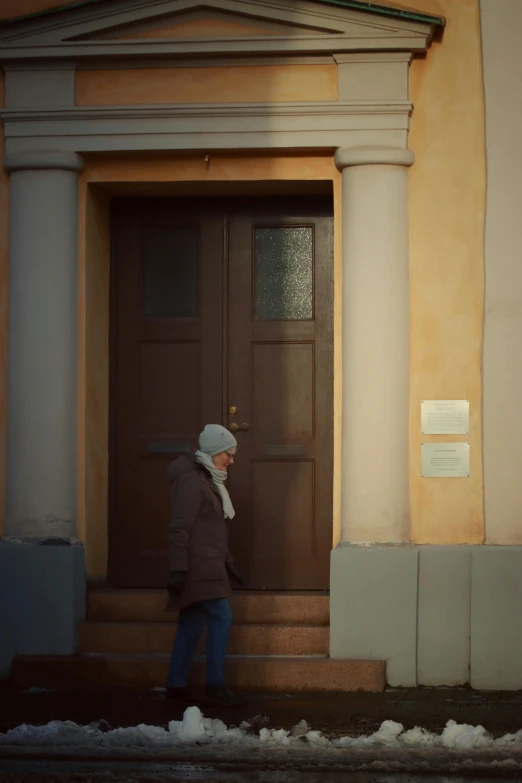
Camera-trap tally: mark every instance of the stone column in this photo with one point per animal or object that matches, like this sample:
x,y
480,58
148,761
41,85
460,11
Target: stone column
x,y
42,403
375,348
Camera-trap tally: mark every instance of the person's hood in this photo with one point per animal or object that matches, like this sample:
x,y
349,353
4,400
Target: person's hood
x,y
181,465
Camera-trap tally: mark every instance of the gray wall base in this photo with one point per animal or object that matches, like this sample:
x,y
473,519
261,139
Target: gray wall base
x,y
42,599
438,615
443,619
496,618
373,607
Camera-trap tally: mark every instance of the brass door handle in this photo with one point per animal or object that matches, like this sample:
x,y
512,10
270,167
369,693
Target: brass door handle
x,y
234,427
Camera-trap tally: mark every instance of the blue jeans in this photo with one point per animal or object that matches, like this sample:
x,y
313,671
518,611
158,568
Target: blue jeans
x,y
217,614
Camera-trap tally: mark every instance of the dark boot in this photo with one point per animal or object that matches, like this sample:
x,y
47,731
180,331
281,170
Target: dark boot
x,y
183,696
220,696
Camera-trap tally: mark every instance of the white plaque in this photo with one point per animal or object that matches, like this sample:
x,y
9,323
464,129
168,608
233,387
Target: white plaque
x,y
445,417
445,460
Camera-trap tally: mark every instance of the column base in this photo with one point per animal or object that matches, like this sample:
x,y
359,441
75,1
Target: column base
x,y
438,615
42,599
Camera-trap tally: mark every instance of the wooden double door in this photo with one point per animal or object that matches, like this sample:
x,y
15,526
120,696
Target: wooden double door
x,y
222,312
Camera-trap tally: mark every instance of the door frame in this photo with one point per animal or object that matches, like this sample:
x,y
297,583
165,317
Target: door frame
x,y
303,205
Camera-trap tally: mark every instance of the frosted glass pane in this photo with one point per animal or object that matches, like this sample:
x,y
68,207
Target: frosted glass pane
x,y
283,273
170,271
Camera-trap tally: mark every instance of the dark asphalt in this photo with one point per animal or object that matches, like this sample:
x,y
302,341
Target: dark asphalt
x,y
16,772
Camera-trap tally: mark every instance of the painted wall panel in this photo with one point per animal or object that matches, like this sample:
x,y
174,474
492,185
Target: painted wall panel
x,y
255,84
501,25
93,372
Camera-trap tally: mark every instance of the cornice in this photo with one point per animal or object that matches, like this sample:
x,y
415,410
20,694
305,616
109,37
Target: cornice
x,y
294,45
299,109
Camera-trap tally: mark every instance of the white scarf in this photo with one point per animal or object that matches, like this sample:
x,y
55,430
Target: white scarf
x,y
219,477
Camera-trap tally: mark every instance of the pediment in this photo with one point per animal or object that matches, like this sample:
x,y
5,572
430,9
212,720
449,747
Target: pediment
x,y
207,22
216,27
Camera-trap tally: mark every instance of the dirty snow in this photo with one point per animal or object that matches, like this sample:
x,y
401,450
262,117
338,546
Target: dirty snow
x,y
196,729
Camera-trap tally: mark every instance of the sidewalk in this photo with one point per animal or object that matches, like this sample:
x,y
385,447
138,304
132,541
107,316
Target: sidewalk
x,y
334,714
113,731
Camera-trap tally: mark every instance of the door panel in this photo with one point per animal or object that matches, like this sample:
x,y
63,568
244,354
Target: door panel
x,y
290,368
280,380
167,366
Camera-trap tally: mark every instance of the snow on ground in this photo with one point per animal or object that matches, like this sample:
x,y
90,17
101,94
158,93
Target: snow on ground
x,y
195,729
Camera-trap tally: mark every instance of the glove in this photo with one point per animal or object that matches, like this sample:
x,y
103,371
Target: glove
x,y
235,576
176,583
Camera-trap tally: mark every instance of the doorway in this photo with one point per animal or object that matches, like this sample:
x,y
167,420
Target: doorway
x,y
222,312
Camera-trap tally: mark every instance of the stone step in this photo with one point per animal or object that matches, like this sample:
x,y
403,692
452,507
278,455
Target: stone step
x,y
251,673
95,637
149,606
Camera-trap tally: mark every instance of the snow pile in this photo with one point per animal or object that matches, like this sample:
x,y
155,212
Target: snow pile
x,y
54,733
193,728
196,729
456,736
464,736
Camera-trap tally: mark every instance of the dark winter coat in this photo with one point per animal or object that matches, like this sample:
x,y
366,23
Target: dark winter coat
x,y
198,533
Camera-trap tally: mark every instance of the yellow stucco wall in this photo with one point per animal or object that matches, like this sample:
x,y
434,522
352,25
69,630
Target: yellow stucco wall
x,y
447,198
447,192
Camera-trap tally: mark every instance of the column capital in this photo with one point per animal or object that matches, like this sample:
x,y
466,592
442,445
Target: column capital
x,y
368,156
43,160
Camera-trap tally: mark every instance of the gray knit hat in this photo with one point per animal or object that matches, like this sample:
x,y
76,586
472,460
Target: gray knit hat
x,y
214,439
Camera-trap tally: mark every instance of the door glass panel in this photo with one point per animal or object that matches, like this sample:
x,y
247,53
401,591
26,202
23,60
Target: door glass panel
x,y
170,271
283,273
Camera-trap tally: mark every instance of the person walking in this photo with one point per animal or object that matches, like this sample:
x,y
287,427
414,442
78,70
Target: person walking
x,y
201,566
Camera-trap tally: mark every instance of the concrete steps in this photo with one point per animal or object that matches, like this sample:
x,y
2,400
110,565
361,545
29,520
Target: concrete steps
x,y
148,606
279,642
115,637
